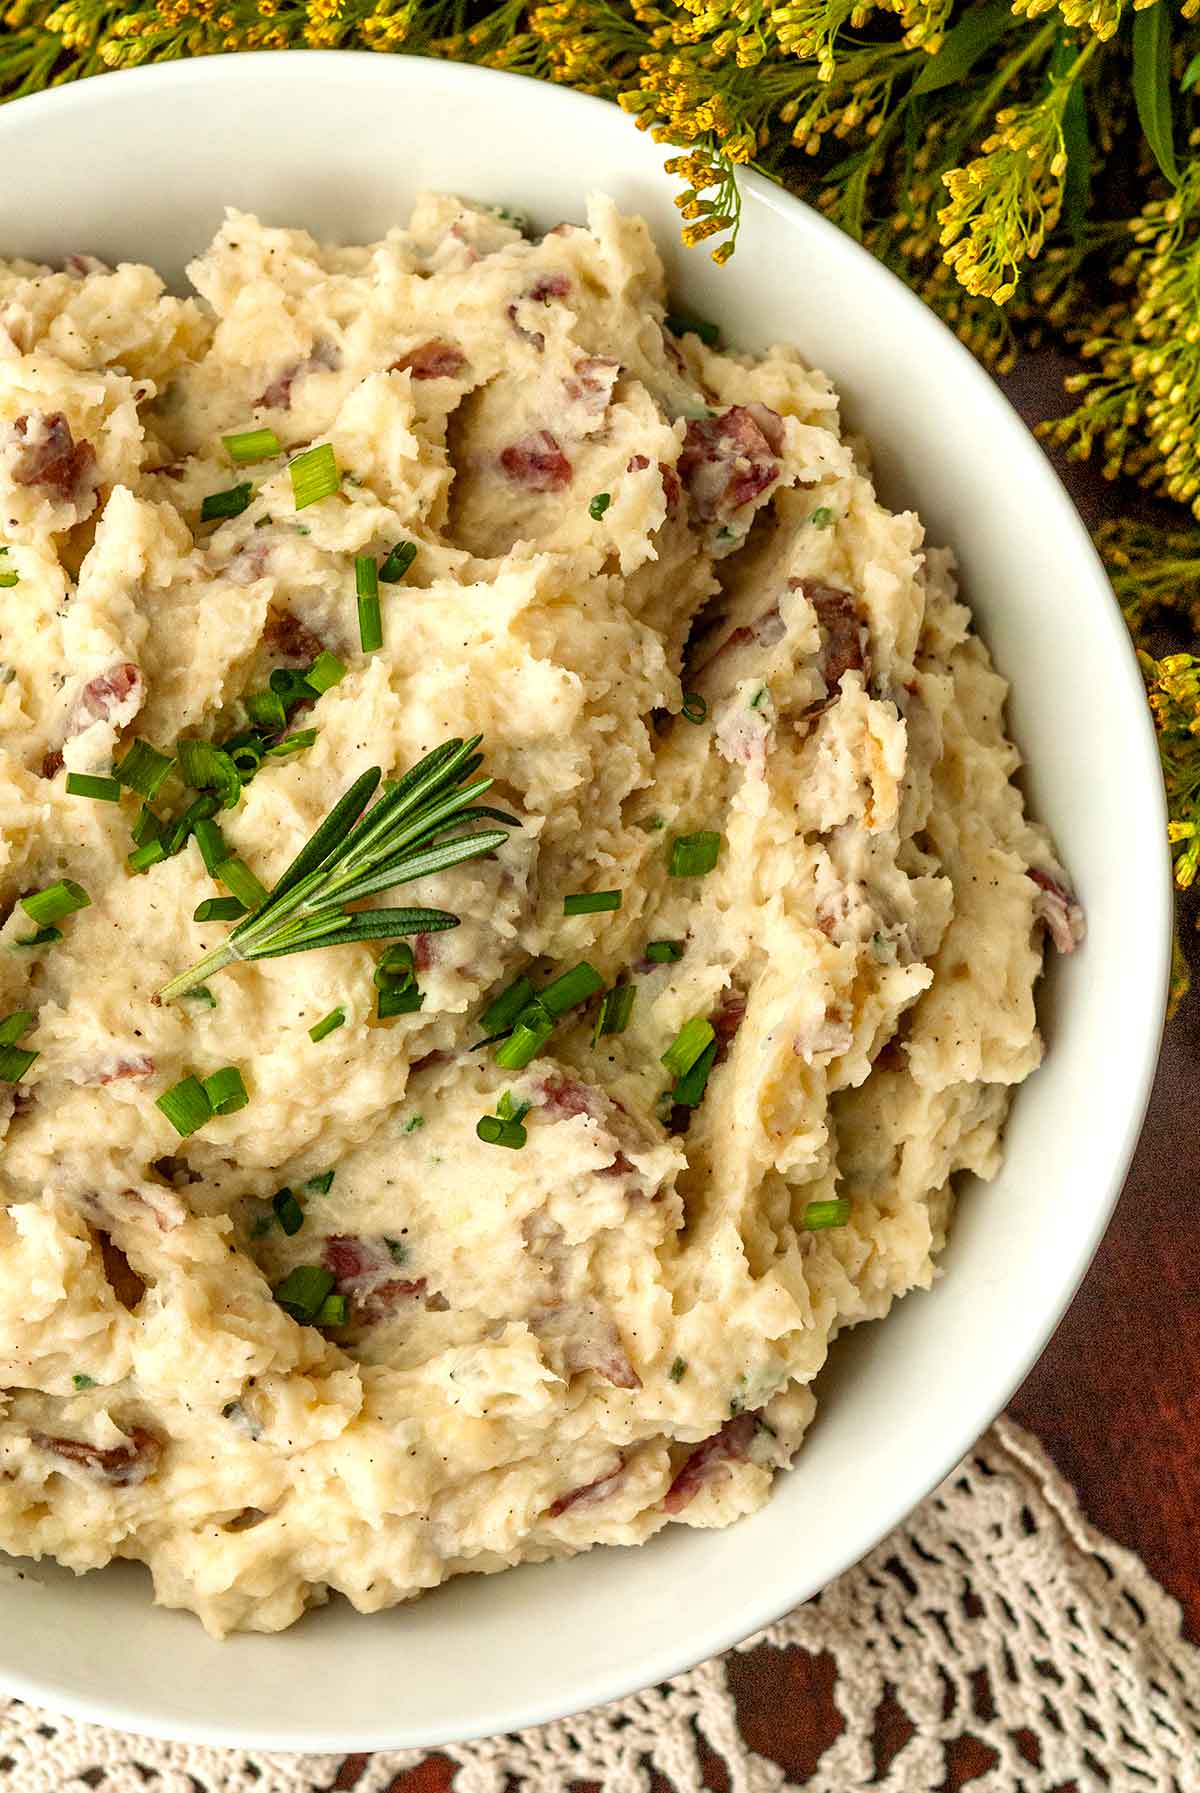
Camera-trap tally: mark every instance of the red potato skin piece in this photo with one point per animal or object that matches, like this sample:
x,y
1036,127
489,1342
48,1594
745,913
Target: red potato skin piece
x,y
57,462
123,1465
589,1494
839,617
728,461
360,1267
729,1445
536,463
109,690
432,360
285,636
1055,906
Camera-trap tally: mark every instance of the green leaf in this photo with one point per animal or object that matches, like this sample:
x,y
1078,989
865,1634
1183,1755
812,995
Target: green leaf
x,y
963,45
1077,182
1152,84
1191,74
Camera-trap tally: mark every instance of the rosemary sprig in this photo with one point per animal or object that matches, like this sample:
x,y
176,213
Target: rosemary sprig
x,y
354,855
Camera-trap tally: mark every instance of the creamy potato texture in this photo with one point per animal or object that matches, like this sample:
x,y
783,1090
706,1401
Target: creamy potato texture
x,y
618,1325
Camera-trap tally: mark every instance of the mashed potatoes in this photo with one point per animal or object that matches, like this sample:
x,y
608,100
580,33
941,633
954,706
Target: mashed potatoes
x,y
614,1321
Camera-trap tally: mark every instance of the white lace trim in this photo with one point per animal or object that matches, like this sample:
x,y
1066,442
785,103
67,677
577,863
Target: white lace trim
x,y
994,1614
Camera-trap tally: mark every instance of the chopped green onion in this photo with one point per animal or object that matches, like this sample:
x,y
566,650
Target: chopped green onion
x,y
664,952
413,1122
288,1211
495,1132
500,1014
82,784
397,1250
230,503
290,744
325,672
219,909
326,1025
685,323
303,1290
14,1025
593,902
756,700
403,1001
265,709
692,1039
292,686
14,1059
694,855
201,809
314,475
209,768
694,707
202,994
237,878
332,1311
651,824
525,1041
150,853
246,752
185,1105
43,937
225,1090
212,845
818,1216
322,1183
146,827
822,517
81,1382
599,505
397,563
252,445
509,1109
678,1370
9,577
572,988
616,1006
370,620
144,770
689,1088
45,907
396,966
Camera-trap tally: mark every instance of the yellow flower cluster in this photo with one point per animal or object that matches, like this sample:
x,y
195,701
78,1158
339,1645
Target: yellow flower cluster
x,y
1004,201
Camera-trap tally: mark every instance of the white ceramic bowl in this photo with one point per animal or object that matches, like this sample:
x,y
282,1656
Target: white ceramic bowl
x,y
138,166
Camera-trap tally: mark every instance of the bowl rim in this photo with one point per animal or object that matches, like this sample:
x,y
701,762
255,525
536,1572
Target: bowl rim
x,y
1019,443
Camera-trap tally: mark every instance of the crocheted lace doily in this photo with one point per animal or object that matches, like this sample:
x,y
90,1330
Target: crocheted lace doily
x,y
994,1637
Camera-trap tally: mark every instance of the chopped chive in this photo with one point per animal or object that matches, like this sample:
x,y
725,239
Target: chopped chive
x,y
403,1001
43,937
397,1250
185,1105
332,1311
692,1039
572,988
209,768
9,576
694,707
144,770
201,809
212,845
314,475
501,1013
694,855
818,1216
238,879
396,966
45,907
397,563
219,909
288,1211
525,1041
822,517
413,1122
230,503
664,952
594,902
321,1184
225,1090
292,686
678,1370
685,323
326,1025
616,1006
14,1025
252,445
265,709
495,1132
81,1382
370,619
150,853
689,1088
82,784
509,1109
246,752
14,1060
290,744
146,827
303,1290
326,671
200,993
599,505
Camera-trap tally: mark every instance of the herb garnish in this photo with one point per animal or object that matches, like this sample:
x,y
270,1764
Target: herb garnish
x,y
694,707
355,854
14,1060
591,902
328,1024
819,1216
103,790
